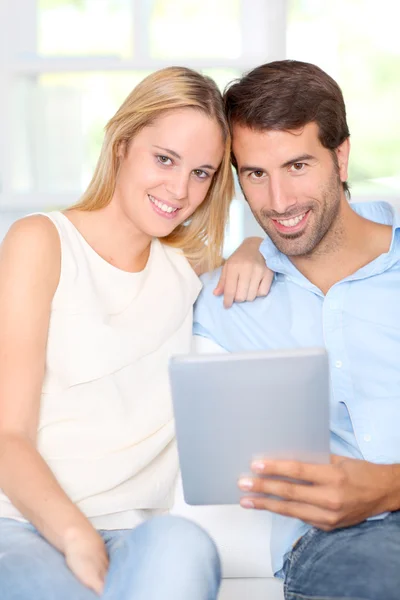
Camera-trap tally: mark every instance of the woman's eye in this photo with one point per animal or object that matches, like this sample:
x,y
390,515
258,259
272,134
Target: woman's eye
x,y
200,173
164,160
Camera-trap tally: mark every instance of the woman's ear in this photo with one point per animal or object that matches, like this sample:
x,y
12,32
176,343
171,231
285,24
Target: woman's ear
x,y
121,150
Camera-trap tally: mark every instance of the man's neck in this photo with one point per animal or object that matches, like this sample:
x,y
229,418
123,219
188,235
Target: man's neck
x,y
351,243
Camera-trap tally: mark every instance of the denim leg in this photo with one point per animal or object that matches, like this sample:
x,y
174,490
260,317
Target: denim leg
x,y
32,569
357,563
166,557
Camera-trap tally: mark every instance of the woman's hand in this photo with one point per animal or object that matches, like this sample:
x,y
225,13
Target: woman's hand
x,y
86,556
244,276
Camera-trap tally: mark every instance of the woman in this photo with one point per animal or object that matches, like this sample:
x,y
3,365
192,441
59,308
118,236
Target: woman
x,y
92,305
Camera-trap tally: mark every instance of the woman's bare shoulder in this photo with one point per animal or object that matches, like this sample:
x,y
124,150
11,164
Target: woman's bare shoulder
x,y
33,227
32,243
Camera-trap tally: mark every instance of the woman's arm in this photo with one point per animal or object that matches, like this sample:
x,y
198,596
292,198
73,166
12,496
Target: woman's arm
x,y
244,276
30,259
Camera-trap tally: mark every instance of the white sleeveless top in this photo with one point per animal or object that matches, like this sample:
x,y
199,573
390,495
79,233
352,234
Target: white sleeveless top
x,y
106,427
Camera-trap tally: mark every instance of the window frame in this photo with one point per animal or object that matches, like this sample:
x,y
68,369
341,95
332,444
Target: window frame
x,y
263,39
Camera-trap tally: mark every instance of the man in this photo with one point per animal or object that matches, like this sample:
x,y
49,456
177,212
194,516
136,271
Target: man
x,y
337,284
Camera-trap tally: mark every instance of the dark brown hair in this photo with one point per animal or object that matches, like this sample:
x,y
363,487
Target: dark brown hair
x,y
288,94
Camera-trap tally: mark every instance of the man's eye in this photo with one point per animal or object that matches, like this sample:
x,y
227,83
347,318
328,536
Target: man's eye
x,y
257,174
164,160
298,166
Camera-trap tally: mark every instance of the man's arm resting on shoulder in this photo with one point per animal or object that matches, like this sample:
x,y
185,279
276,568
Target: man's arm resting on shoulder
x,y
343,493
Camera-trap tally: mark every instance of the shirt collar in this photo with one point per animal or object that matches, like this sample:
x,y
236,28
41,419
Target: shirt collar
x,y
380,212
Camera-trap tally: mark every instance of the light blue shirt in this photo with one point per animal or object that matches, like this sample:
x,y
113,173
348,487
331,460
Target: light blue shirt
x,y
358,321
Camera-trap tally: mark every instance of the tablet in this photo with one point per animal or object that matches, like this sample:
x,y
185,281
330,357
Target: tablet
x,y
232,408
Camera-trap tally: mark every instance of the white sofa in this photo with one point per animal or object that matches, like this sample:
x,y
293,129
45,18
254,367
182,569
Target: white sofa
x,y
242,537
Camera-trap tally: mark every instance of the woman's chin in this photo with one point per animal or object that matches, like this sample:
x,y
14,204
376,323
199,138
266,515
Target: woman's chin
x,y
160,230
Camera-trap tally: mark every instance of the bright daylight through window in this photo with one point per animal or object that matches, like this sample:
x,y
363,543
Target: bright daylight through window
x,y
70,63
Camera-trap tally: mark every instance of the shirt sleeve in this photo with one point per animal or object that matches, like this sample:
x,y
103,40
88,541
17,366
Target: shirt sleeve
x,y
208,311
234,329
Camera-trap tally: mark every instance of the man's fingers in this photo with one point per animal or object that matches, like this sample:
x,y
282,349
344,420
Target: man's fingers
x,y
284,489
311,473
336,459
323,496
313,515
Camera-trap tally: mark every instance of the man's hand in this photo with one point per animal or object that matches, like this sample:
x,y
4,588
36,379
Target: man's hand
x,y
341,494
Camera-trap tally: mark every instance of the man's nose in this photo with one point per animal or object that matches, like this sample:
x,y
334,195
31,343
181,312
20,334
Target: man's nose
x,y
281,198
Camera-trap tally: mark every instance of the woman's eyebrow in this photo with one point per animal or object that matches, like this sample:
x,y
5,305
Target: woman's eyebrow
x,y
168,151
176,155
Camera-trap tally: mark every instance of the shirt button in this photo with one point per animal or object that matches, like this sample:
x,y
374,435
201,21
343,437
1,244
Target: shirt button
x,y
338,364
367,437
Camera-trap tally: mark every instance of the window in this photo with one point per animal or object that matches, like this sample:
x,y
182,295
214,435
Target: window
x,y
357,43
70,63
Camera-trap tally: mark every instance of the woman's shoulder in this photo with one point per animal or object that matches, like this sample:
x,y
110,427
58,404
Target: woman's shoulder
x,y
31,249
33,233
176,256
175,264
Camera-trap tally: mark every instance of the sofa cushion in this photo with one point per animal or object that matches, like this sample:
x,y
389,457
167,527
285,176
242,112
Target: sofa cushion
x,y
254,589
242,536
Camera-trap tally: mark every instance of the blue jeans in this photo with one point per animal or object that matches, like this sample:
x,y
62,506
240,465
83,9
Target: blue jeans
x,y
166,557
357,563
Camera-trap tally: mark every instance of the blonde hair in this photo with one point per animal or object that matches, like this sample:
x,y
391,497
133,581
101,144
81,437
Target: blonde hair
x,y
201,237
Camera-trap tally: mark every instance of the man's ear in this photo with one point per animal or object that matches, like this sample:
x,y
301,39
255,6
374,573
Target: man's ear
x,y
342,155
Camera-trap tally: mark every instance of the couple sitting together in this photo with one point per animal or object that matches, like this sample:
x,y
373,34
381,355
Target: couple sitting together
x,y
95,299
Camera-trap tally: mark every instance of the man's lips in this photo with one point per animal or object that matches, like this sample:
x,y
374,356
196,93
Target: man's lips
x,y
292,224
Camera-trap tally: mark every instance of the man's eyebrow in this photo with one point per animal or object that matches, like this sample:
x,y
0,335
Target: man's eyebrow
x,y
297,159
249,168
288,163
176,155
